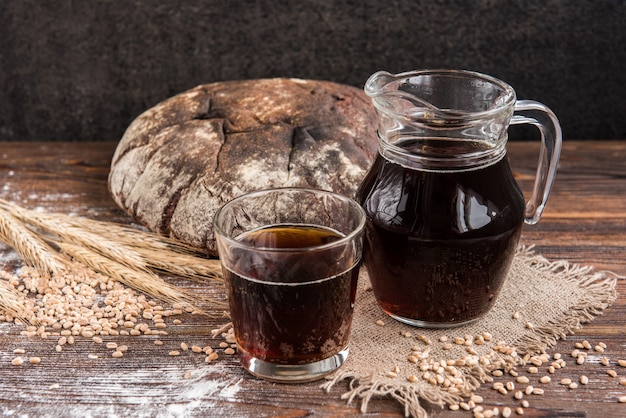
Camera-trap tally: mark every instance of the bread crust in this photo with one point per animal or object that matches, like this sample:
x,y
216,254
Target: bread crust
x,y
179,161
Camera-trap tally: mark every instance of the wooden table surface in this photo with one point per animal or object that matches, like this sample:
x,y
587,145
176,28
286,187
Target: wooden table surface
x,y
585,222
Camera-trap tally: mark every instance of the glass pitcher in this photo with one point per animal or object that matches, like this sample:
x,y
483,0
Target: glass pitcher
x,y
444,213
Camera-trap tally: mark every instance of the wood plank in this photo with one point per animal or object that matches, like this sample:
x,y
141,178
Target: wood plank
x,y
584,222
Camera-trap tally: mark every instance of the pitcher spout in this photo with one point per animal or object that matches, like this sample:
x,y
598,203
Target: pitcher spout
x,y
391,93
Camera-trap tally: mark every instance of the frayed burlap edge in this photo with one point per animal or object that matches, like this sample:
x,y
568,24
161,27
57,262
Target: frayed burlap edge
x,y
411,394
600,292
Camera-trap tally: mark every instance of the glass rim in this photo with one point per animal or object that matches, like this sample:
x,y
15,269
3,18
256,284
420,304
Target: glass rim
x,y
356,231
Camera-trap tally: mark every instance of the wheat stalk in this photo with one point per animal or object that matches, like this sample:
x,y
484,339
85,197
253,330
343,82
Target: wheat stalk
x,y
34,251
148,283
122,234
132,247
156,251
182,265
59,230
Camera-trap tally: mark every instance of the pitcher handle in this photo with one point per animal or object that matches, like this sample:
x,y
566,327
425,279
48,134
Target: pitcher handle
x,y
539,115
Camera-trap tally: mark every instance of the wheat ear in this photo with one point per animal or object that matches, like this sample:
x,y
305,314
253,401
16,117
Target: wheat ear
x,y
12,302
34,251
157,252
59,230
130,246
182,265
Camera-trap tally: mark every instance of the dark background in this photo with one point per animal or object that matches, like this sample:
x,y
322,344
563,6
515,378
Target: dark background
x,y
83,70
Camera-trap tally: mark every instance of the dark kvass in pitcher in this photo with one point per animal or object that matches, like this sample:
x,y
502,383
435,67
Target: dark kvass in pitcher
x,y
444,212
439,244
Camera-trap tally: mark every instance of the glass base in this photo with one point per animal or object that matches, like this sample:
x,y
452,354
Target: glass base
x,y
427,324
292,373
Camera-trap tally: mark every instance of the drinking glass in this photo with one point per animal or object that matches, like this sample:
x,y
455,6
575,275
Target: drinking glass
x,y
290,259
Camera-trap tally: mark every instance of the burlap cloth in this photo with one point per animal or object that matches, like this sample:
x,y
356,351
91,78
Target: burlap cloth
x,y
540,303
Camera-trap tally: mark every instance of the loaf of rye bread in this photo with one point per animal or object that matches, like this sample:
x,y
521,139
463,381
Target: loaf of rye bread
x,y
179,161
